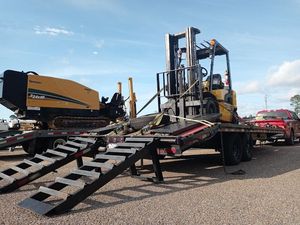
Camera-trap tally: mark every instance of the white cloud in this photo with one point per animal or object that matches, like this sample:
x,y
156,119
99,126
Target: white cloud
x,y
249,87
52,31
285,94
279,84
99,44
287,74
246,107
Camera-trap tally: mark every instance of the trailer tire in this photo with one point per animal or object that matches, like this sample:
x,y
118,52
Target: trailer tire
x,y
35,146
247,143
233,149
25,147
52,144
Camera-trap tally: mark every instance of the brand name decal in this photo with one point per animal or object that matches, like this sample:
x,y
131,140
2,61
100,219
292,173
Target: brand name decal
x,y
36,96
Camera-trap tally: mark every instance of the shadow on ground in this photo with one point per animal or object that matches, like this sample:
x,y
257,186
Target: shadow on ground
x,y
194,171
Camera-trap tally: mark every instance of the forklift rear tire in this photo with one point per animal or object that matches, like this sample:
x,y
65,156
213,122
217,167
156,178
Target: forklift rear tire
x,y
233,149
211,106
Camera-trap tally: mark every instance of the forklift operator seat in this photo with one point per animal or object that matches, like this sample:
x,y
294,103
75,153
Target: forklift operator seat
x,y
216,81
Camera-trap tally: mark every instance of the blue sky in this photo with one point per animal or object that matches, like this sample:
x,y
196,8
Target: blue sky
x,y
99,43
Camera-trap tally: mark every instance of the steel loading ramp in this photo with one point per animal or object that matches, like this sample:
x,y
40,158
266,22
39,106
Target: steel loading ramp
x,y
42,164
12,138
66,192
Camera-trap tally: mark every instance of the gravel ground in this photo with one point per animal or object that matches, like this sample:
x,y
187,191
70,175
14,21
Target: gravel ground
x,y
195,191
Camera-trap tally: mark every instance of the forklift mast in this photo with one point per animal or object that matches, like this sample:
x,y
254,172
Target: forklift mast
x,y
182,81
174,56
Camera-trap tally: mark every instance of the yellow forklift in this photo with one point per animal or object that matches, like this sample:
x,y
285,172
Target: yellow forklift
x,y
193,84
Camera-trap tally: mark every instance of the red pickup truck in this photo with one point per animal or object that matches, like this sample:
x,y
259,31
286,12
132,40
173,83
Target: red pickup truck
x,y
282,118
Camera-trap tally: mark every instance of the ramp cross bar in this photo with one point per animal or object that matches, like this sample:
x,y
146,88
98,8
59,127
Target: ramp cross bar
x,y
42,164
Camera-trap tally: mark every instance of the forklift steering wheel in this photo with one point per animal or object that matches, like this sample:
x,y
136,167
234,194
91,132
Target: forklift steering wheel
x,y
204,72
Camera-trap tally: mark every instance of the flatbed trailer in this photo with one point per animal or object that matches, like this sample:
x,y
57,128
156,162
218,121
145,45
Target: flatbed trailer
x,y
233,141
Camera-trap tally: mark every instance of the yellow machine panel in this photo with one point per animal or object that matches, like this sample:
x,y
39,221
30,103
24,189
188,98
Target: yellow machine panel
x,y
225,108
50,92
234,101
226,111
220,94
